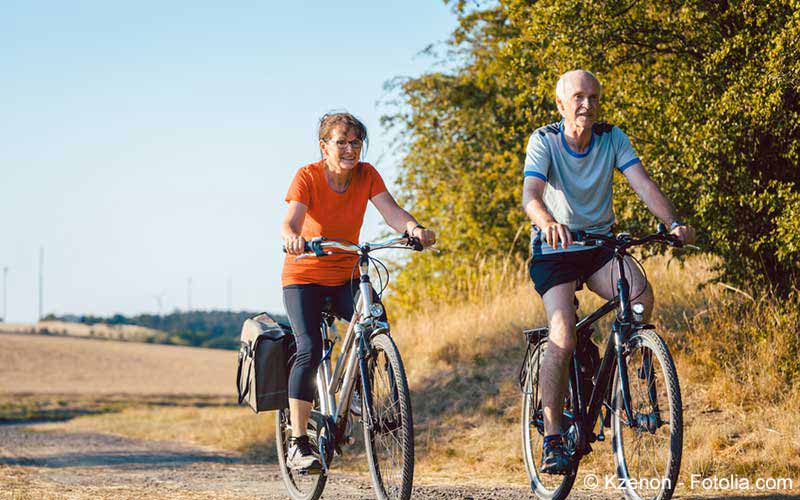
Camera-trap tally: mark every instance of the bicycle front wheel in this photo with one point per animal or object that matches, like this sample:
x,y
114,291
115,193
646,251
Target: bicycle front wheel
x,y
389,437
545,486
648,446
301,486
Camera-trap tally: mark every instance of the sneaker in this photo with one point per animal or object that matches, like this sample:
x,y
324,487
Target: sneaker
x,y
555,459
301,456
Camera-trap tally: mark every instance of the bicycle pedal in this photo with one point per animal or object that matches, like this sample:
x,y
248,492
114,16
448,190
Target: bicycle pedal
x,y
311,471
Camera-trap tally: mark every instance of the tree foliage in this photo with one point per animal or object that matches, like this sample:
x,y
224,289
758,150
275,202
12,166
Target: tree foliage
x,y
708,91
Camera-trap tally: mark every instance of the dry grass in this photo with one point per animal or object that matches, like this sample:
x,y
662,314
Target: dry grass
x,y
741,393
223,428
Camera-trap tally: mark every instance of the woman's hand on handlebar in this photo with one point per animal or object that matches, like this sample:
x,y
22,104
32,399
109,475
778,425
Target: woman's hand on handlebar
x,y
294,245
425,236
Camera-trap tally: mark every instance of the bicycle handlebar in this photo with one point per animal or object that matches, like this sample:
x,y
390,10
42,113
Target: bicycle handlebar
x,y
625,240
315,247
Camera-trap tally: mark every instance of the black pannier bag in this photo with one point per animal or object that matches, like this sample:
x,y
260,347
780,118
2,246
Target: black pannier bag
x,y
267,349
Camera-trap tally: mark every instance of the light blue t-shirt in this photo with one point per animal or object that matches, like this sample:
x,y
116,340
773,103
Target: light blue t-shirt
x,y
579,185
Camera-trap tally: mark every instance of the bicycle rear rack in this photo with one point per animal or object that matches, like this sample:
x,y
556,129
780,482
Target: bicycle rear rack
x,y
533,338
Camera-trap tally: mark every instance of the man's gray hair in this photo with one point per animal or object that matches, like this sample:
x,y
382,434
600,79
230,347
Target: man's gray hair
x,y
560,86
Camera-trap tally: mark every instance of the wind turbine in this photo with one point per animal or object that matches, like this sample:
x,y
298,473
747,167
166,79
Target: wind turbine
x,y
160,301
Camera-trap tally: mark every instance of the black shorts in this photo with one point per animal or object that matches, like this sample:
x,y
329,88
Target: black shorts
x,y
554,269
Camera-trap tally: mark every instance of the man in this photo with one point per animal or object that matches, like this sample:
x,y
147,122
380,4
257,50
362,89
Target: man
x,y
568,187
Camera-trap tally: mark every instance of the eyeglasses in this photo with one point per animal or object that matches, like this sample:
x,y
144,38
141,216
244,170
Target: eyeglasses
x,y
355,143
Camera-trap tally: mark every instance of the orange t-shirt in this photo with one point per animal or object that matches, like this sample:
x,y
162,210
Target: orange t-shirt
x,y
336,216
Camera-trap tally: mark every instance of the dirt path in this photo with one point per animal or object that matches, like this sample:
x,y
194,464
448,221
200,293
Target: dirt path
x,y
75,465
59,465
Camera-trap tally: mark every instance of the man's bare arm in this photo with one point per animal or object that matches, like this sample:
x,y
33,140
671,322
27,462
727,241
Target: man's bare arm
x,y
532,203
656,201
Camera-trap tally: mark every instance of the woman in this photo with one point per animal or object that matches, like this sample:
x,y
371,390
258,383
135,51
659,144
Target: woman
x,y
328,198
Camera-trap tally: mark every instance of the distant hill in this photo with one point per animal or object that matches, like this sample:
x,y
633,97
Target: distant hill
x,y
130,333
214,329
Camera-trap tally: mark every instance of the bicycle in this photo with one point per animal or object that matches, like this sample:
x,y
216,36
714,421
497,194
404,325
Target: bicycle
x,y
369,366
647,422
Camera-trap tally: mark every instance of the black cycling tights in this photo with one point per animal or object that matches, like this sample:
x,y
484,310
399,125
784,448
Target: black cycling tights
x,y
304,306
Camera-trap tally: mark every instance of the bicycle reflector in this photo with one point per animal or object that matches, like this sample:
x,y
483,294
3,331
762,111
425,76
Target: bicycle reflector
x,y
638,311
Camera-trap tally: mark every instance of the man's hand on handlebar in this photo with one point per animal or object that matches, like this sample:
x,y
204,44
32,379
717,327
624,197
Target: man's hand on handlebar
x,y
294,245
555,233
685,234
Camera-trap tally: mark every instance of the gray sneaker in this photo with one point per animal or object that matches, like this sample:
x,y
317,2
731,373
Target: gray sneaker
x,y
301,456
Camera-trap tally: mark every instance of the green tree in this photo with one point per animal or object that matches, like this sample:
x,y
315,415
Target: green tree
x,y
708,91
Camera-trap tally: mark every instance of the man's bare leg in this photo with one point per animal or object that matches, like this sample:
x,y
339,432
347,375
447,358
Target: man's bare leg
x,y
553,376
604,284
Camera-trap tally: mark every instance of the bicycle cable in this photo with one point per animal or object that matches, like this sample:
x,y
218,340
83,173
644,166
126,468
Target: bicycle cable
x,y
382,285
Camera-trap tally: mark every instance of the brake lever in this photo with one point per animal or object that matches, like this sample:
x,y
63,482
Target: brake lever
x,y
311,254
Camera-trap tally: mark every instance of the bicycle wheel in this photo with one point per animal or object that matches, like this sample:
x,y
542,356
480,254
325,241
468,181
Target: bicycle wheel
x,y
301,486
544,486
389,441
648,449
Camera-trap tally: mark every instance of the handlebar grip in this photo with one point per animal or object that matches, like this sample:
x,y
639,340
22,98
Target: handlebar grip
x,y
673,240
414,243
306,248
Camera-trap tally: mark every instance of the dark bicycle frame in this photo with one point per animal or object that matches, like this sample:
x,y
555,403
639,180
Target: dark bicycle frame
x,y
623,328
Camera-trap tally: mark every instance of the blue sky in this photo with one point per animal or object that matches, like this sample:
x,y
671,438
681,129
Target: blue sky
x,y
145,144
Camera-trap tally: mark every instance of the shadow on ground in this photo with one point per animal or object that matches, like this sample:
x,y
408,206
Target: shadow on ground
x,y
35,407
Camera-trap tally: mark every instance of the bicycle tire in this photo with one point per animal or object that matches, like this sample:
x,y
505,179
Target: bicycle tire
x,y
389,441
650,388
299,486
544,486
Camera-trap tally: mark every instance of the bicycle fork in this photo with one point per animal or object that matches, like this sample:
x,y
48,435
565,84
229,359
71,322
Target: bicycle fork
x,y
366,389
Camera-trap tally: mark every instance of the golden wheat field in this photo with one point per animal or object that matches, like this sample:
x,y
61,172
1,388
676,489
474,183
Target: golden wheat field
x,y
49,364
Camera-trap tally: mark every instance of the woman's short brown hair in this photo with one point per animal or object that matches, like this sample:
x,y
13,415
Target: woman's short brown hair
x,y
330,121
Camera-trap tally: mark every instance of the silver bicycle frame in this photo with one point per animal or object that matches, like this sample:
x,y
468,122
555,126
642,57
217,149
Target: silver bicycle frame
x,y
344,373
342,379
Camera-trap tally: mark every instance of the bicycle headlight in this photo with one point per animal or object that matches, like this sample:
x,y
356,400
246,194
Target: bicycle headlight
x,y
638,311
376,310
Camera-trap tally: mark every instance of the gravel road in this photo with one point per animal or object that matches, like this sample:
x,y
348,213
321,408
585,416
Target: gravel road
x,y
80,466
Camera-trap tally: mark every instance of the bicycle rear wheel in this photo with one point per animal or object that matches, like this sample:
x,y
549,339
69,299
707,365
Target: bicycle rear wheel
x,y
389,438
647,450
544,486
301,486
